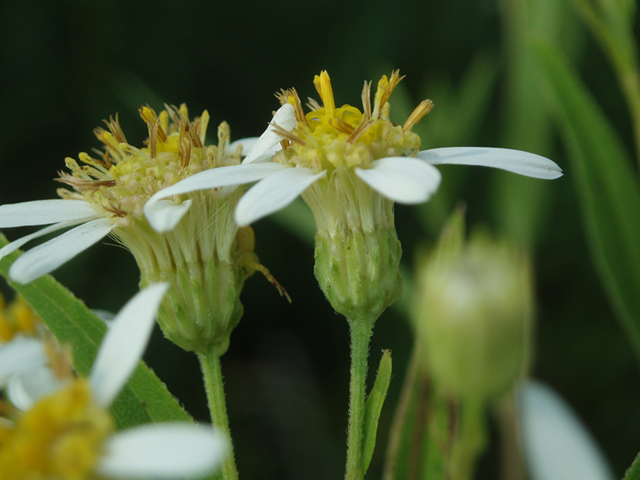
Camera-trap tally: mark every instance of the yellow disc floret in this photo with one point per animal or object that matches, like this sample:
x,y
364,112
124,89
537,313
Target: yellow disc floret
x,y
60,438
16,318
328,137
119,183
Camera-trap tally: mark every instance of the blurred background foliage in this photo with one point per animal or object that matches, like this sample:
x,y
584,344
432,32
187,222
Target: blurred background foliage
x,y
68,65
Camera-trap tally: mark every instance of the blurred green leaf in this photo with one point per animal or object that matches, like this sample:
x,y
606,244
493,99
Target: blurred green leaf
x,y
633,473
607,186
144,399
373,407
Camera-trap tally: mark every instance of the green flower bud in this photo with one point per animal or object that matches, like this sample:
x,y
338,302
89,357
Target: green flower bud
x,y
474,314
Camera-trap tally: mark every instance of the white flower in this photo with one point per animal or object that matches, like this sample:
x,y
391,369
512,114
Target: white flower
x,y
110,192
389,166
151,451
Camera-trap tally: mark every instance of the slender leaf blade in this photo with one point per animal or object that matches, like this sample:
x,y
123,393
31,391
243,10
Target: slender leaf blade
x,y
607,186
373,408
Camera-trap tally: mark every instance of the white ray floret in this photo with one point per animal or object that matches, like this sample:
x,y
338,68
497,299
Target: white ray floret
x,y
21,353
274,193
402,179
163,451
50,255
44,212
516,161
164,216
27,386
124,343
556,443
285,118
16,244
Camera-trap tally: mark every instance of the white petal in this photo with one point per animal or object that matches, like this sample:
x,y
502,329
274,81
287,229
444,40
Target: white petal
x,y
247,144
285,118
163,451
164,215
13,246
44,212
50,255
556,443
20,353
28,386
402,179
515,161
124,343
273,193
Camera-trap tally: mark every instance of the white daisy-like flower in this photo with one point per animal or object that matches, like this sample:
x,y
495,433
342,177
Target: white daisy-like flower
x,y
68,435
108,196
109,192
328,140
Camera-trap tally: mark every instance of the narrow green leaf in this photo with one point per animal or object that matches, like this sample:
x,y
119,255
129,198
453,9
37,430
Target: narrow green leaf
x,y
373,408
633,472
607,186
144,399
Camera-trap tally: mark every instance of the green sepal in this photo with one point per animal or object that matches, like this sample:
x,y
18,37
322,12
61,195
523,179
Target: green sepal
x,y
373,407
607,186
144,399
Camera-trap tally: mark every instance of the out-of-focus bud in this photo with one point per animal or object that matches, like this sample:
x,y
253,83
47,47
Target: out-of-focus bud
x,y
474,313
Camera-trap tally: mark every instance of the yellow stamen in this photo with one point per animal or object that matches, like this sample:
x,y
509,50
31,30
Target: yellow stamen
x,y
322,83
417,115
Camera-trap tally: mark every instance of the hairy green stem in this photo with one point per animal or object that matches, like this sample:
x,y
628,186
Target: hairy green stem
x,y
360,336
214,386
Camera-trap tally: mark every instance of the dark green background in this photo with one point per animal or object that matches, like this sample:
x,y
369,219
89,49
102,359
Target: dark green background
x,y
65,66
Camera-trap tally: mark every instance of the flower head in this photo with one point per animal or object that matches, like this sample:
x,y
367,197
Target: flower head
x,y
191,240
68,434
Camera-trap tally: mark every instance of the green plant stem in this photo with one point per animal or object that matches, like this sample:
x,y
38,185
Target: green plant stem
x,y
214,386
360,336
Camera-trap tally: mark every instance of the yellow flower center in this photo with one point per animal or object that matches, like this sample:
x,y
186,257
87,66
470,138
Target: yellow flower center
x,y
15,318
60,438
119,183
328,137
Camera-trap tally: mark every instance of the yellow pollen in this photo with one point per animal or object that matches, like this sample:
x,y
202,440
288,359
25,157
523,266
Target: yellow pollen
x,y
61,437
330,137
17,318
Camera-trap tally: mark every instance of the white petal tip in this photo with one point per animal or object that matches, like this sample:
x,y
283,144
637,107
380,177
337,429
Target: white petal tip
x,y
164,215
164,451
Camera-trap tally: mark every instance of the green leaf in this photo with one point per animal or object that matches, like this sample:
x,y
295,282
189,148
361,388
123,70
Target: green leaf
x,y
373,408
633,473
607,186
144,399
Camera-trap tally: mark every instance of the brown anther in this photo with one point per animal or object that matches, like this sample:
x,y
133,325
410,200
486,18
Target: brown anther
x,y
287,134
417,115
115,129
366,100
81,184
312,104
360,129
341,125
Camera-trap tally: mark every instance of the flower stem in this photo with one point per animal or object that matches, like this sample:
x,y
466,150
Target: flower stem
x,y
214,386
360,336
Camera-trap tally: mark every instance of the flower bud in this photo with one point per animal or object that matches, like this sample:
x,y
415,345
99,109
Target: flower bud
x,y
474,313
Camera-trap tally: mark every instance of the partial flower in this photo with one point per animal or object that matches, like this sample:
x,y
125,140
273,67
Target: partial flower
x,y
68,434
191,240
